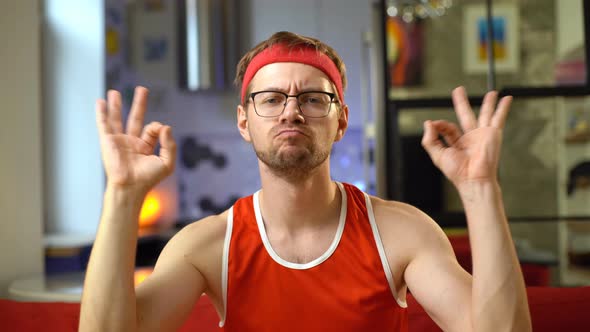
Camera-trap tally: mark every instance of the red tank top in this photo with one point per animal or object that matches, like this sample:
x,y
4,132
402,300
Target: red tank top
x,y
349,288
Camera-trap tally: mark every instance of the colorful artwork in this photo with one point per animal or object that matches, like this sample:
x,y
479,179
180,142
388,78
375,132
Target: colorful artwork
x,y
112,40
113,25
404,51
505,43
154,48
154,5
578,127
498,35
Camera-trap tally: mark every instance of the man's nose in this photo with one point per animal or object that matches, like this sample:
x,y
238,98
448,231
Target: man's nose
x,y
292,111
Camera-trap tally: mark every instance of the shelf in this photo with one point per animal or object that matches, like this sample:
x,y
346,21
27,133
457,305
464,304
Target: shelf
x,y
575,276
579,135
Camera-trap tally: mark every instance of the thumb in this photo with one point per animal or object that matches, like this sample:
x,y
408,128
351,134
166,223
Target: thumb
x,y
167,148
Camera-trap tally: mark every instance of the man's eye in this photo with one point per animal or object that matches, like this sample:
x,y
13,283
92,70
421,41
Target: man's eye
x,y
313,100
271,101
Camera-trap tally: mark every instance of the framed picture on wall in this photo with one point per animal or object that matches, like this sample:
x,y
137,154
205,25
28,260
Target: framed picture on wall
x,y
505,38
405,51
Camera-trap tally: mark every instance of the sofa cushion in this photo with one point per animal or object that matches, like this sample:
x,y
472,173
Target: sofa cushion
x,y
64,317
552,309
534,274
560,309
38,316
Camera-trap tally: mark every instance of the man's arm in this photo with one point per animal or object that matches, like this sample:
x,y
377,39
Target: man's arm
x,y
109,300
494,298
167,297
499,294
422,259
496,294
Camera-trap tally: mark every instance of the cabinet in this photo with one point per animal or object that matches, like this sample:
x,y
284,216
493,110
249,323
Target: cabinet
x,y
573,192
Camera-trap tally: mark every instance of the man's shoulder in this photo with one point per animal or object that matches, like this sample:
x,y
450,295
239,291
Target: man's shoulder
x,y
403,220
395,211
207,230
202,238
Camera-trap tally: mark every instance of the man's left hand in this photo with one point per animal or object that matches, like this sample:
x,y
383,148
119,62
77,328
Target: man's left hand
x,y
469,154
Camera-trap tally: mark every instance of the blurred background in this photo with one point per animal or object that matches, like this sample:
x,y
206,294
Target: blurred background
x,y
403,58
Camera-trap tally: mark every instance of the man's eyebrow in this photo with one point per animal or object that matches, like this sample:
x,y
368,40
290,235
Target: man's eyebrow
x,y
273,88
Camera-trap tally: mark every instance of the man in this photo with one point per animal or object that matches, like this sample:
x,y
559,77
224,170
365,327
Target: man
x,y
304,252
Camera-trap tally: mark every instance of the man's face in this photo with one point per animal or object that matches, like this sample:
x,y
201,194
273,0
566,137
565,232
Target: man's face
x,y
291,144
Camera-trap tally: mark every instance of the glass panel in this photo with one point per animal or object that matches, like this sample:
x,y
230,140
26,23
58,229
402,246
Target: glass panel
x,y
537,43
544,167
424,186
529,160
551,50
573,150
545,154
425,56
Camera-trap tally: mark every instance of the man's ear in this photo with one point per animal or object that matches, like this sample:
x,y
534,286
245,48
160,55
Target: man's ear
x,y
242,124
342,123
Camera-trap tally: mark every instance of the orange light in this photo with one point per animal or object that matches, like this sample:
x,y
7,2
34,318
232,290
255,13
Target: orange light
x,y
140,275
150,210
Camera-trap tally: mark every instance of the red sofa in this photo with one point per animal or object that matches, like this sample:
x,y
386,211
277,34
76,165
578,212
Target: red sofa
x,y
552,309
534,274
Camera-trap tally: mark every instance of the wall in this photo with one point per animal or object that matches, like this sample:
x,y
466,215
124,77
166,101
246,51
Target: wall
x,y
530,160
340,23
65,152
209,116
73,78
20,142
528,164
569,19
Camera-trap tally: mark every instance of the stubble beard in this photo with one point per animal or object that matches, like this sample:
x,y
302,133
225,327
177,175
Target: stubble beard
x,y
293,165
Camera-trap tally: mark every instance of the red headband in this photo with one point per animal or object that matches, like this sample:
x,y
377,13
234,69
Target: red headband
x,y
305,55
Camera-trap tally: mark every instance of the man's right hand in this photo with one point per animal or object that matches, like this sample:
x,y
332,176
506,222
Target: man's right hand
x,y
127,155
109,302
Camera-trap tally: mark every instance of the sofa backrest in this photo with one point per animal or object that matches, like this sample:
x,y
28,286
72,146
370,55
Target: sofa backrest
x,y
552,309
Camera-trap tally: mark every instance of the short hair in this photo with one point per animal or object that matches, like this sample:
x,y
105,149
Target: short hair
x,y
291,40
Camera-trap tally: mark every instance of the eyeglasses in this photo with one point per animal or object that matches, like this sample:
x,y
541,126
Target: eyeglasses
x,y
312,104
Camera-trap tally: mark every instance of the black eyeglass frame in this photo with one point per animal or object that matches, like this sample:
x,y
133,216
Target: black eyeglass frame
x,y
287,96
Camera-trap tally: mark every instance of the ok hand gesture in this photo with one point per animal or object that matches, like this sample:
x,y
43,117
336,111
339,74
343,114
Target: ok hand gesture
x,y
127,155
471,154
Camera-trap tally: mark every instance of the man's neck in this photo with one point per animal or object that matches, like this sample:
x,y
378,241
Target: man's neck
x,y
294,206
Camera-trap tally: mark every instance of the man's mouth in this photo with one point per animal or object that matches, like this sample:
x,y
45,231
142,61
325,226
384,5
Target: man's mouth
x,y
291,133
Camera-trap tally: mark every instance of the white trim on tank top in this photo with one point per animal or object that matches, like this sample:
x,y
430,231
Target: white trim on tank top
x,y
314,262
225,263
326,255
381,250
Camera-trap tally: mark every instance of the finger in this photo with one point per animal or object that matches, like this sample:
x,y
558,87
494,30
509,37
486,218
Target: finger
x,y
431,143
114,111
167,148
101,118
499,119
151,133
449,131
463,109
136,115
487,108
